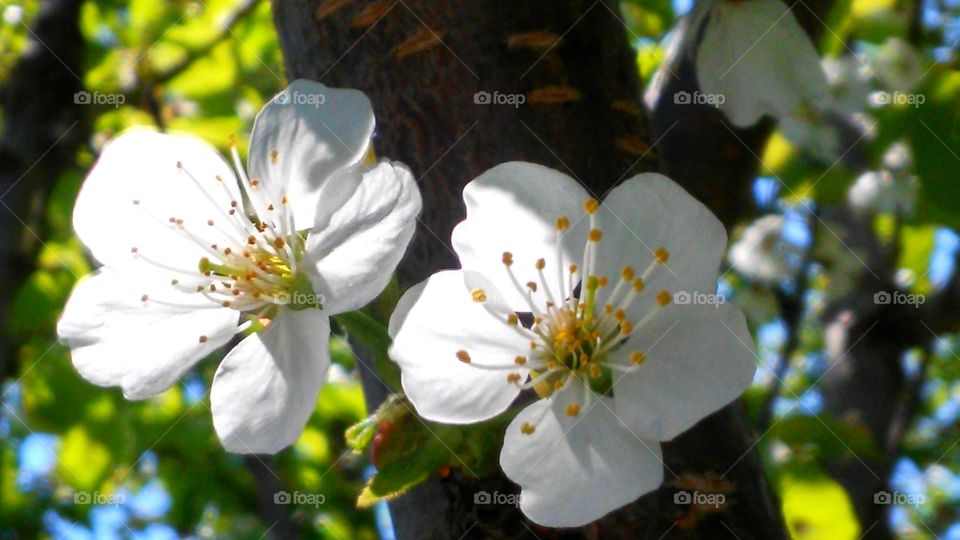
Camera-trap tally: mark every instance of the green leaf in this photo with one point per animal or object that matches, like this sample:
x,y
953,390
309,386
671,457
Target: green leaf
x,y
917,244
833,438
374,336
817,508
935,141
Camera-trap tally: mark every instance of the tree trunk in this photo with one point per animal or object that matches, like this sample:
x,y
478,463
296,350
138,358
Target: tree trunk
x,y
422,64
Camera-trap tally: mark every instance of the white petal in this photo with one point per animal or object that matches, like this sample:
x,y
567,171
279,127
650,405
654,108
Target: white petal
x,y
142,166
266,388
144,347
697,361
356,253
436,319
757,57
315,131
513,207
650,211
574,470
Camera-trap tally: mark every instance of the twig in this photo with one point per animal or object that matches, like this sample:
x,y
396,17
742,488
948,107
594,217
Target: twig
x,y
226,28
791,311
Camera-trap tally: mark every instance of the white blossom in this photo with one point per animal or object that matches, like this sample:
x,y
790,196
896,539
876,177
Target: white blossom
x,y
755,55
195,253
573,299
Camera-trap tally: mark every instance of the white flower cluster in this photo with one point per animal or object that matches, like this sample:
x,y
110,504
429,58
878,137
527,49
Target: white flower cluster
x,y
560,295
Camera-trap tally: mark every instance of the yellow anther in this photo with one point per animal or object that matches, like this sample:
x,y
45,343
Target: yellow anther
x,y
279,243
595,371
541,264
603,281
232,140
507,258
226,303
563,223
573,269
626,327
637,357
558,385
573,409
273,157
513,378
532,286
552,364
533,345
639,285
595,235
628,273
620,314
591,206
251,240
527,428
463,356
608,308
663,298
284,200
512,319
478,295
520,360
537,320
662,255
584,359
592,283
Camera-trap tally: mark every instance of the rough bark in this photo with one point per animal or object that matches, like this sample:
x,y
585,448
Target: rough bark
x,y
421,63
42,130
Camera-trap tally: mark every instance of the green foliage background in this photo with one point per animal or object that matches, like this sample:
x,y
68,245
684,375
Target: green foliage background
x,y
105,444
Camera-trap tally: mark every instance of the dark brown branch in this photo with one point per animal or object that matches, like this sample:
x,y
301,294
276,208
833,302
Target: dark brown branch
x,y
42,130
421,63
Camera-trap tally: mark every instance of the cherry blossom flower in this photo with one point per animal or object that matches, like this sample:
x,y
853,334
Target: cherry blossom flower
x,y
761,253
755,55
195,253
570,298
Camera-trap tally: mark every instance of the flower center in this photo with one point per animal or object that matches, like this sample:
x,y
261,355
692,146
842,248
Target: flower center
x,y
254,267
571,334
